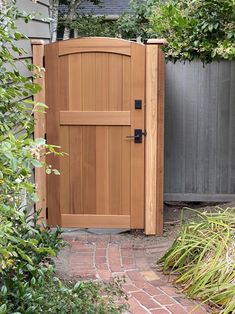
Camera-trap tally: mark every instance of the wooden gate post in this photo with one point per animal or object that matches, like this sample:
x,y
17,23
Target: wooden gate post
x,y
40,125
155,81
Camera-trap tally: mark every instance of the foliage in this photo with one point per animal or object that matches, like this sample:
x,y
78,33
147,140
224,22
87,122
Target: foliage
x,y
27,273
89,25
19,153
24,260
203,257
83,297
196,29
129,25
67,18
135,23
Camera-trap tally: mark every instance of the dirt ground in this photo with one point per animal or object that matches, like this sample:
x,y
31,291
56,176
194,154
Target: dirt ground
x,y
174,213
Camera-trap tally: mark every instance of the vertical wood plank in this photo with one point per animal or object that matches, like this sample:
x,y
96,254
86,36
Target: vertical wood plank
x,y
115,82
76,169
126,85
154,140
53,136
126,172
151,139
160,141
126,144
75,84
40,126
102,104
89,169
115,170
137,122
64,97
102,171
88,81
65,170
102,82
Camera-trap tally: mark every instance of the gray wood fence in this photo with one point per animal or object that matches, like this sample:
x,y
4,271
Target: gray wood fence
x,y
200,132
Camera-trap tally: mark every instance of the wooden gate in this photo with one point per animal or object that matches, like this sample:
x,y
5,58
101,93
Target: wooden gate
x,y
95,91
93,85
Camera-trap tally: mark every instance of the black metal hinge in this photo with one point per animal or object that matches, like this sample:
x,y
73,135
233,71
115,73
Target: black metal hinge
x,y
46,213
43,61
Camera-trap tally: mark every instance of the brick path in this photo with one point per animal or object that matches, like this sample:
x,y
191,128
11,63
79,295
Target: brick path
x,y
106,256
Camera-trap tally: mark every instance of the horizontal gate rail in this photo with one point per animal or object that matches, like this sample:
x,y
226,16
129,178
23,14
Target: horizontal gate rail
x,y
95,118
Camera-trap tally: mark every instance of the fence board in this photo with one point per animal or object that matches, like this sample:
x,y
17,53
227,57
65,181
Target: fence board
x,y
200,131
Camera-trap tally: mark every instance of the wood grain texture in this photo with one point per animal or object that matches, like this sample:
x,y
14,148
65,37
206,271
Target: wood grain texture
x,y
102,170
155,78
151,139
75,84
115,82
137,150
40,128
89,169
65,170
102,68
96,221
75,170
84,45
95,118
160,140
53,102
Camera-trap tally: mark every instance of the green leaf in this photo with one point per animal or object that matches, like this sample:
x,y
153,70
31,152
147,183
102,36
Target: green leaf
x,y
56,172
40,141
36,163
3,309
34,197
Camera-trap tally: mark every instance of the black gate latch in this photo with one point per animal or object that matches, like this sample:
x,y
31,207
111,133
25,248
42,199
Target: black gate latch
x,y
138,134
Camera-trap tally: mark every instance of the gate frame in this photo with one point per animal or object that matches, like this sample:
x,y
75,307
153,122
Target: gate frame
x,y
154,145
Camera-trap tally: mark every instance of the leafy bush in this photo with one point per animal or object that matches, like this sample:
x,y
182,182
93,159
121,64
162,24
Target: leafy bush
x,y
135,23
25,265
89,25
130,25
203,257
19,153
196,29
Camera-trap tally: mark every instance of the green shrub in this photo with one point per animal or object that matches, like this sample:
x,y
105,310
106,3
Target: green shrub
x,y
89,25
135,23
196,29
203,258
25,251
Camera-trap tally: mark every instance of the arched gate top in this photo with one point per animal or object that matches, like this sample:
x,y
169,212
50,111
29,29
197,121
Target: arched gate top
x,y
95,44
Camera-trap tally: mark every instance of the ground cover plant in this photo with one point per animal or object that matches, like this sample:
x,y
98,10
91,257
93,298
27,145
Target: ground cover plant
x,y
27,275
203,259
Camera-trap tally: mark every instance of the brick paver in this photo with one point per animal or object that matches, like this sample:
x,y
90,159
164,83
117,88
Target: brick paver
x,y
103,257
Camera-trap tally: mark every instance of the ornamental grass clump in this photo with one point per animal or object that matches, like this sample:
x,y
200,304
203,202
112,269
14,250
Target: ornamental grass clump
x,y
203,259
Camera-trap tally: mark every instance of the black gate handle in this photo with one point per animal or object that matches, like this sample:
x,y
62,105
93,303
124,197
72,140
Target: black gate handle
x,y
137,135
